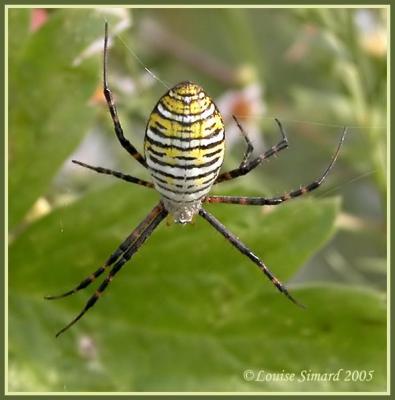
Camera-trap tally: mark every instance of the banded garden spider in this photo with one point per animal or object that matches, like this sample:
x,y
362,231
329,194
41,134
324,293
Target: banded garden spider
x,y
184,150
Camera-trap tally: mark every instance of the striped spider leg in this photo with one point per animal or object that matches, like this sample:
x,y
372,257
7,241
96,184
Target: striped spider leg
x,y
250,147
263,201
235,241
116,174
116,261
113,111
247,166
117,127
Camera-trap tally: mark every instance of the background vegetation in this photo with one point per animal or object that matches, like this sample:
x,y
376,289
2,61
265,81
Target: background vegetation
x,y
189,313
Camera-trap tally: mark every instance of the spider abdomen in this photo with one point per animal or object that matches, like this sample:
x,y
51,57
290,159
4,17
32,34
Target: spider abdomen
x,y
184,148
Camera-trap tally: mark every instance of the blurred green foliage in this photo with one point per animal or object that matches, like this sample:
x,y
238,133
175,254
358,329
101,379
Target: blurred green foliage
x,y
189,313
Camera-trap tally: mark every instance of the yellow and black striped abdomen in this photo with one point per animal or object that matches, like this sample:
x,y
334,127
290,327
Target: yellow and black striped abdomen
x,y
184,148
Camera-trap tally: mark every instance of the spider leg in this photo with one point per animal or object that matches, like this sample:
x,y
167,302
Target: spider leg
x,y
247,166
261,201
250,147
125,245
156,219
247,252
119,175
113,111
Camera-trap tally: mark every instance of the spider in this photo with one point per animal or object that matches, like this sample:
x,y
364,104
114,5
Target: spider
x,y
184,151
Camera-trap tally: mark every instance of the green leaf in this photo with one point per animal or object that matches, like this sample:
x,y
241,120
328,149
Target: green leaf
x,y
19,22
188,312
49,92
